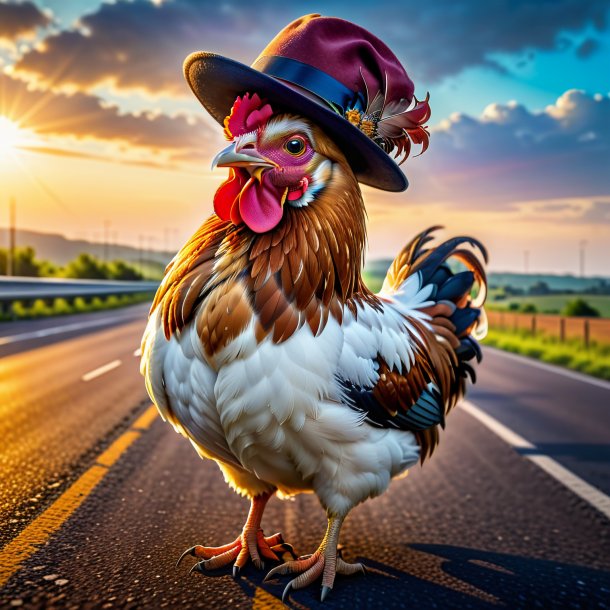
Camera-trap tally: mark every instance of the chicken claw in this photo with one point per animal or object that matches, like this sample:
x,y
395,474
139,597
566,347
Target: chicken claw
x,y
250,544
324,562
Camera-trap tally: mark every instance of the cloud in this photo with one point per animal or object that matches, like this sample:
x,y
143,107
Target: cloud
x,y
444,37
79,154
22,19
587,47
570,211
141,45
597,213
85,116
511,154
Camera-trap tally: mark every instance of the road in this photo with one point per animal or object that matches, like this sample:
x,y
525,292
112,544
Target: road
x,y
98,497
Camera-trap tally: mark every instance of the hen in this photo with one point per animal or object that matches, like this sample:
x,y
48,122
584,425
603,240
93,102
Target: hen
x,y
266,349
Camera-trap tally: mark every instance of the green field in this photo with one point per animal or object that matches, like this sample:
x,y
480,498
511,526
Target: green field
x,y
552,303
373,280
594,360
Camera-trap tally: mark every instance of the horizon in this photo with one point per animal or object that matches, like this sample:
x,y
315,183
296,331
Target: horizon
x,y
371,261
117,144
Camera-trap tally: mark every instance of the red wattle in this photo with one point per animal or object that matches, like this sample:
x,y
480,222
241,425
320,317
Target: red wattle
x,y
260,203
299,191
227,194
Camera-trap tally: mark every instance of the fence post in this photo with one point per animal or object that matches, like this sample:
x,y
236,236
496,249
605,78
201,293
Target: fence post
x,y
562,330
587,336
534,325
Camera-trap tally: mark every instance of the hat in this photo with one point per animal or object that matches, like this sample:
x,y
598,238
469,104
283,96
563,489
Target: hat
x,y
335,73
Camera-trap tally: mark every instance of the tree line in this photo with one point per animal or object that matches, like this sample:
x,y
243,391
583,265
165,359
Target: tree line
x,y
84,266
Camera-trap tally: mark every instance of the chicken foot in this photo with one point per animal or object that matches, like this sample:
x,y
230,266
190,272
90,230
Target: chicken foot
x,y
324,562
250,544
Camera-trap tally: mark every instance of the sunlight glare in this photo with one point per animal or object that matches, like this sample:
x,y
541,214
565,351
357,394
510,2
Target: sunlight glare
x,y
10,137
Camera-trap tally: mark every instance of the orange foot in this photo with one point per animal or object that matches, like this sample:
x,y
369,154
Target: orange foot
x,y
251,544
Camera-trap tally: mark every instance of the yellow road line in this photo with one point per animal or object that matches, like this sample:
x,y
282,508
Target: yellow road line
x,y
16,552
146,418
114,452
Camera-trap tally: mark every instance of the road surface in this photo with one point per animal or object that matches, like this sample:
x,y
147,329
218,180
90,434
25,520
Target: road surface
x,y
98,497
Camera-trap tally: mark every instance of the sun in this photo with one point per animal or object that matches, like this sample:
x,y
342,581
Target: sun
x,y
10,136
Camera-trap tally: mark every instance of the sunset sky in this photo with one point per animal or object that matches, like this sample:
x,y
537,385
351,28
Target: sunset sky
x,y
97,124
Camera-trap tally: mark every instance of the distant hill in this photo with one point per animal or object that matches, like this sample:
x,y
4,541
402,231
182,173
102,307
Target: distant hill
x,y
378,268
554,282
59,249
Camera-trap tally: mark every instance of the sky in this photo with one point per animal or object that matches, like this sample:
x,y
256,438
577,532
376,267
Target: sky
x,y
99,132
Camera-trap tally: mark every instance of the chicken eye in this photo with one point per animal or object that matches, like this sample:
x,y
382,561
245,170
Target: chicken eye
x,y
295,146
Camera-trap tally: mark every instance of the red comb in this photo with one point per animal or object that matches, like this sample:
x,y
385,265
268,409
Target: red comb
x,y
248,113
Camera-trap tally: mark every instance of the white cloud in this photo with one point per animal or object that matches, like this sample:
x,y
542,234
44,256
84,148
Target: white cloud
x,y
511,154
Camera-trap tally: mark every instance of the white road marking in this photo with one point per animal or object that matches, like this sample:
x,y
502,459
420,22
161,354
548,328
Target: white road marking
x,y
138,352
101,370
506,434
55,330
593,496
551,368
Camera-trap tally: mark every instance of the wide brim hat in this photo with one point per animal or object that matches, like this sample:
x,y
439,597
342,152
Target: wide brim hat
x,y
319,68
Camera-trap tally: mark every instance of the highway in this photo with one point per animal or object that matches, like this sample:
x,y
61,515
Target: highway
x,y
98,497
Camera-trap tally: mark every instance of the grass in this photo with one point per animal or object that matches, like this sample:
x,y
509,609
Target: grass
x,y
552,303
373,280
58,307
594,360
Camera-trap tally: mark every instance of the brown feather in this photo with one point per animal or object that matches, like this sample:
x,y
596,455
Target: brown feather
x,y
195,259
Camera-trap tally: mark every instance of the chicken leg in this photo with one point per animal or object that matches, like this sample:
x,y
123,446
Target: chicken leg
x,y
324,562
250,544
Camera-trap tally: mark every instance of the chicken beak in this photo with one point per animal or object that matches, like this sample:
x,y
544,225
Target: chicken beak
x,y
249,158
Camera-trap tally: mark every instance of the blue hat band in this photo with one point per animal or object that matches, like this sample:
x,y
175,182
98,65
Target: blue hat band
x,y
339,97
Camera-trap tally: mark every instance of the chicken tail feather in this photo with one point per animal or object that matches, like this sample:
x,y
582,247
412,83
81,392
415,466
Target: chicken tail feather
x,y
452,274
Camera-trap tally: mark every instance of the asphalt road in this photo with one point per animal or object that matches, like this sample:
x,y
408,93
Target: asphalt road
x,y
479,526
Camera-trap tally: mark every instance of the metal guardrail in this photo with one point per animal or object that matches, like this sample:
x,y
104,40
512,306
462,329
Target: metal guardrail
x,y
30,288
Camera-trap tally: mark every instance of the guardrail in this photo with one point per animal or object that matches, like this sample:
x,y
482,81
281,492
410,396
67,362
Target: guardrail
x,y
31,288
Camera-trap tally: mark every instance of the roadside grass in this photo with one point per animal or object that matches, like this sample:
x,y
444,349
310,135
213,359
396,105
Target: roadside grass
x,y
57,307
594,360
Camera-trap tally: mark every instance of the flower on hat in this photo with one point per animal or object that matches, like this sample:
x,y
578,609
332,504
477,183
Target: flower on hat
x,y
353,116
393,125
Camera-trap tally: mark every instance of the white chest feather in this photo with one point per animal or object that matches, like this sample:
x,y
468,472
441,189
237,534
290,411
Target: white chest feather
x,y
276,410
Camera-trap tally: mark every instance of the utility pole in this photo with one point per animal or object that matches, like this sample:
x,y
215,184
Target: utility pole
x,y
11,266
151,246
114,243
583,245
141,254
106,237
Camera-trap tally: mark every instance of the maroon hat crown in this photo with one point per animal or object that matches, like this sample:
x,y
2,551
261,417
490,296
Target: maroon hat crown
x,y
336,73
340,49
